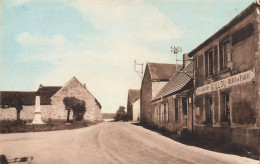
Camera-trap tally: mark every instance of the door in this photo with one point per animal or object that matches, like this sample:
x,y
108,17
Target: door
x,y
184,111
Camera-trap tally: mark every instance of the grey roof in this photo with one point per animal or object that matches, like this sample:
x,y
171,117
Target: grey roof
x,y
28,97
178,82
46,92
161,71
133,95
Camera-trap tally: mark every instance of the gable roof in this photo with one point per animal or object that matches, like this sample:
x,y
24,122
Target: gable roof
x,y
133,95
46,92
178,82
75,80
225,28
28,97
161,71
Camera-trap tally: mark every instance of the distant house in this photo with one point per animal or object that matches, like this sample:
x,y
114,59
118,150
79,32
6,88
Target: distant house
x,y
156,75
172,106
133,96
51,100
136,110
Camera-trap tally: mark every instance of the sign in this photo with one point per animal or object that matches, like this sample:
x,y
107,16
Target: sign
x,y
227,82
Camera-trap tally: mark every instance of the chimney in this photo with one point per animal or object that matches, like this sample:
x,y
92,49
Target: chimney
x,y
40,86
84,85
186,60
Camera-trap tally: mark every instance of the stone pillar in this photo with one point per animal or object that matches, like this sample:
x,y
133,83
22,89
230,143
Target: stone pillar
x,y
37,112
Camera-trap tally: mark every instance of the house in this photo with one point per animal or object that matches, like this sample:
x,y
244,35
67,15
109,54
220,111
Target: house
x,y
156,75
133,96
227,82
51,100
74,88
172,106
136,110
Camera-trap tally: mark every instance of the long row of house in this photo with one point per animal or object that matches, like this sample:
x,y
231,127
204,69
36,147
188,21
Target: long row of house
x,y
216,93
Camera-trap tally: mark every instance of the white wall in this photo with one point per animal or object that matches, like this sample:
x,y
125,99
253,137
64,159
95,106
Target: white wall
x,y
136,110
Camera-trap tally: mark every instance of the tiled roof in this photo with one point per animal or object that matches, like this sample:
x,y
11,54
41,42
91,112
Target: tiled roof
x,y
160,71
28,97
133,95
46,92
177,82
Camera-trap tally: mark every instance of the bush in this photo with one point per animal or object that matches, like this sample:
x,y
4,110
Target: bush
x,y
77,106
121,115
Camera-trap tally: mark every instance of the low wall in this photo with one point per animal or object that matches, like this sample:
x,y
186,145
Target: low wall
x,y
28,113
245,137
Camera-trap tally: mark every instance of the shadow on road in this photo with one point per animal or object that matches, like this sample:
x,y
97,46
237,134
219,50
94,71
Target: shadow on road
x,y
4,160
188,138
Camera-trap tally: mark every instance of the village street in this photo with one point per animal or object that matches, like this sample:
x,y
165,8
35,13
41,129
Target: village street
x,y
108,142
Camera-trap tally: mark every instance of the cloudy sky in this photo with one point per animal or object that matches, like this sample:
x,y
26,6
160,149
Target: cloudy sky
x,y
50,41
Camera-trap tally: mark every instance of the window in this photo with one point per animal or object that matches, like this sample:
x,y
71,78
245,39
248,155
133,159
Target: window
x,y
184,105
197,62
225,108
166,114
176,109
209,62
209,110
159,113
224,56
242,34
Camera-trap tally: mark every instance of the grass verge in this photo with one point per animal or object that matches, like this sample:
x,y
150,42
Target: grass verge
x,y
23,126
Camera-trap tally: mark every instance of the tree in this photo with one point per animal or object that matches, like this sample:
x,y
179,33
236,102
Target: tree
x,y
77,106
13,102
121,114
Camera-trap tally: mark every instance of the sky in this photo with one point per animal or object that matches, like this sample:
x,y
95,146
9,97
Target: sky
x,y
49,41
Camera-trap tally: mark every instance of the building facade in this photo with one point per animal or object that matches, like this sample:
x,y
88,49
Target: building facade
x,y
156,75
133,95
227,82
136,110
172,106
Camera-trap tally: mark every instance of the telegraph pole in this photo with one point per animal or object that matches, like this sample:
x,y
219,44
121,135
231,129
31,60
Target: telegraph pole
x,y
138,68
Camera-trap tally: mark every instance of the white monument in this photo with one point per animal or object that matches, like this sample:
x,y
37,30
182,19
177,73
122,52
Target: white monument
x,y
37,112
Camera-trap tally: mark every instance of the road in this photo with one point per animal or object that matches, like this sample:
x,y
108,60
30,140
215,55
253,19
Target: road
x,y
108,142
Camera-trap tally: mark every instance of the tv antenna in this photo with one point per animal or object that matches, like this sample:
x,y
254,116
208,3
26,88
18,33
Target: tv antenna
x,y
138,67
176,50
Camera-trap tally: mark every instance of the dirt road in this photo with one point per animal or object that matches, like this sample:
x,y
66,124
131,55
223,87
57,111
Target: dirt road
x,y
108,142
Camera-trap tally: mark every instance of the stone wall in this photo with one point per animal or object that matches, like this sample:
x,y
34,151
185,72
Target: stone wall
x,y
75,89
28,113
243,137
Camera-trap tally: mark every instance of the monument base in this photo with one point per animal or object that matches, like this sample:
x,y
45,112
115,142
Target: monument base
x,y
37,119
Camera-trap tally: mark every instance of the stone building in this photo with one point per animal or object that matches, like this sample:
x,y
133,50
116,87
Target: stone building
x,y
51,100
227,82
156,75
172,106
133,96
74,88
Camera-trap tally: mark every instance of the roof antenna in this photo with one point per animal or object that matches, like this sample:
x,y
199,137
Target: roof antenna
x,y
176,50
140,71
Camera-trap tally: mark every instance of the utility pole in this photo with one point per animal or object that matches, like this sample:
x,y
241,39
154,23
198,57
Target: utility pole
x,y
138,68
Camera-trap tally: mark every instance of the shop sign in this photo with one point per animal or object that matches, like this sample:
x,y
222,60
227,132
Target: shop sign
x,y
227,82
